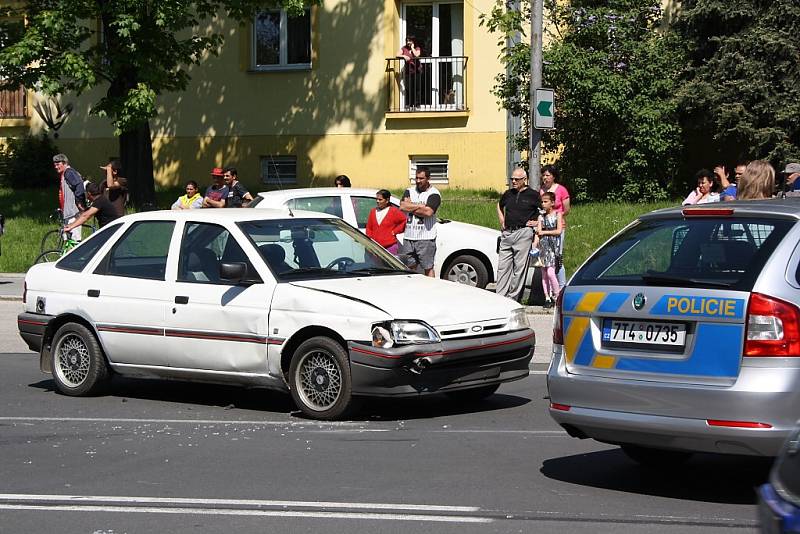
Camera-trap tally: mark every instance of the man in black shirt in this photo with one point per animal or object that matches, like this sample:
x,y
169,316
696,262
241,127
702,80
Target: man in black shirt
x,y
102,209
238,195
518,211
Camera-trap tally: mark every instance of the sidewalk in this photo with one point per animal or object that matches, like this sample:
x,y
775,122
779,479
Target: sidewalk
x,y
11,286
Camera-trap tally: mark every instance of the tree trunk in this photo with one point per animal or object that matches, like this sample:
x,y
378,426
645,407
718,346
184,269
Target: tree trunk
x,y
136,153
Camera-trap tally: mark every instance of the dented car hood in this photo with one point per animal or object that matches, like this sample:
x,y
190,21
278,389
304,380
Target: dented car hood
x,y
435,301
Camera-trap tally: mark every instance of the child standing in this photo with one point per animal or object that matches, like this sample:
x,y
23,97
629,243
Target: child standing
x,y
548,237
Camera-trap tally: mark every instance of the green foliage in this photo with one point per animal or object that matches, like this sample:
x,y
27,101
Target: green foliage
x,y
136,49
742,88
615,76
28,162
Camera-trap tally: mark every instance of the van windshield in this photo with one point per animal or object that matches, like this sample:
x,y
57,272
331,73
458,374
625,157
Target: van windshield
x,y
712,252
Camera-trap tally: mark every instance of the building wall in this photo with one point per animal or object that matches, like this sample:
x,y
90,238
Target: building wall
x,y
332,117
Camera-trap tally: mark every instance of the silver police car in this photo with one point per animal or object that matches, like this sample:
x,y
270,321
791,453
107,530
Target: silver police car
x,y
681,334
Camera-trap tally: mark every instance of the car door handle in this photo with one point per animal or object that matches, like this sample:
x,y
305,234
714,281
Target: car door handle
x,y
93,293
180,299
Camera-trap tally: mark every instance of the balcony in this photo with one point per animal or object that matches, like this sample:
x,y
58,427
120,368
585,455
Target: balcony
x,y
429,84
13,104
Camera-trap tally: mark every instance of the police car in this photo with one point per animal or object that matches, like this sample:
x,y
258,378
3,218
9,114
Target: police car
x,y
682,334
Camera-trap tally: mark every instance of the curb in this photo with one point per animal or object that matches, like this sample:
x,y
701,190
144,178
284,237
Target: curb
x,y
10,298
12,275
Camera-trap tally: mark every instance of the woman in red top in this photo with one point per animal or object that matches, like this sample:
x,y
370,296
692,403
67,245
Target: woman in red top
x,y
385,222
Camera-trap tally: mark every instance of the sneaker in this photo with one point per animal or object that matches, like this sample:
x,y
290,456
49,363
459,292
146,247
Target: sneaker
x,y
547,304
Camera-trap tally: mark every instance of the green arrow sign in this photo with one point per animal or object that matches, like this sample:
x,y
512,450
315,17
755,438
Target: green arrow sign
x,y
544,108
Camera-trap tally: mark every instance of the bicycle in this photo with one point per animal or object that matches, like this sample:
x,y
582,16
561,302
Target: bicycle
x,y
54,239
54,255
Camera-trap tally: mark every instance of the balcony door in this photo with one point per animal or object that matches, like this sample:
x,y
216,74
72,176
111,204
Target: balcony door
x,y
439,30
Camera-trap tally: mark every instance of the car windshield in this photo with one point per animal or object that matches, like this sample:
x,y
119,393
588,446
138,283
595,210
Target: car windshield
x,y
696,252
302,249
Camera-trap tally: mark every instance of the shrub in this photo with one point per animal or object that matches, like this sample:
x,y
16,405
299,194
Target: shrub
x,y
28,162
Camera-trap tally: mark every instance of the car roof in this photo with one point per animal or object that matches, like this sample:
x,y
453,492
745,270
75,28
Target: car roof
x,y
775,207
224,215
282,194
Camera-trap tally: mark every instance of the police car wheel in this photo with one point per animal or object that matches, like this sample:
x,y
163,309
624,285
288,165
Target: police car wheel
x,y
79,367
319,377
468,270
656,458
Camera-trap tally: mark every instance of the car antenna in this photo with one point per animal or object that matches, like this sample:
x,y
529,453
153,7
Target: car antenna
x,y
280,182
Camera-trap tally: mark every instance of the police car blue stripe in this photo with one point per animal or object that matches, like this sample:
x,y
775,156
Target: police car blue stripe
x,y
585,351
571,299
717,353
612,302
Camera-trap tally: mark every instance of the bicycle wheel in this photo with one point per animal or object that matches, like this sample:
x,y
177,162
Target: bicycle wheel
x,y
48,256
52,240
87,230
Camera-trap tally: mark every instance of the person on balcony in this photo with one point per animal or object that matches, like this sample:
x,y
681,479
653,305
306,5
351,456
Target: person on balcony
x,y
412,70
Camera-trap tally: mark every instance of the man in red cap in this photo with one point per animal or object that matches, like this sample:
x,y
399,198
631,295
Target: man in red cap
x,y
217,192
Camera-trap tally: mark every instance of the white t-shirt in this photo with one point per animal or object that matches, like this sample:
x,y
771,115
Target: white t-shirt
x,y
418,228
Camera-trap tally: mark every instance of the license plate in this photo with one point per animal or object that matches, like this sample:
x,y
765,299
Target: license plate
x,y
644,333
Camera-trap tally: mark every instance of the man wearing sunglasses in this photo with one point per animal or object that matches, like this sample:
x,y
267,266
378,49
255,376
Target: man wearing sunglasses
x,y
517,211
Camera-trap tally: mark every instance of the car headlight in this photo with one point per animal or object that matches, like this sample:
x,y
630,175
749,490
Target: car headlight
x,y
518,320
403,333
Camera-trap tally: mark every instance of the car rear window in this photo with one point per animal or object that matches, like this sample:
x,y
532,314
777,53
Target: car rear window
x,y
695,252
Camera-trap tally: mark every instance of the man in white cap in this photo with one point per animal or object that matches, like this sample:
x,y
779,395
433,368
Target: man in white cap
x,y
792,173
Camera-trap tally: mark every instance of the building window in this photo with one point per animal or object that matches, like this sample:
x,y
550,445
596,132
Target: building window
x,y
281,42
437,165
279,170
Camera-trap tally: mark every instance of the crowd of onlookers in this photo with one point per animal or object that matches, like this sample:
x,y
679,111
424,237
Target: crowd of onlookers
x,y
750,180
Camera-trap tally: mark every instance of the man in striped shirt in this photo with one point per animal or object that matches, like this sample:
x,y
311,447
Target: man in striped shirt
x,y
419,240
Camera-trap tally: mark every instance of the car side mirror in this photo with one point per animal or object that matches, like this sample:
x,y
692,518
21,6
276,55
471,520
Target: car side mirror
x,y
234,272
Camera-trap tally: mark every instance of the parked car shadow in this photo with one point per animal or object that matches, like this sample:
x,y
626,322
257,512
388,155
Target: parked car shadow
x,y
229,397
431,406
266,400
712,478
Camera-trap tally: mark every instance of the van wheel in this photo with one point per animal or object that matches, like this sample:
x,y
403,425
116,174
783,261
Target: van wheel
x,y
468,270
660,459
320,379
79,367
473,394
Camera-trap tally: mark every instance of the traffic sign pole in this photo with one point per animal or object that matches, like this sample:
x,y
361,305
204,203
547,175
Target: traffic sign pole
x,y
534,153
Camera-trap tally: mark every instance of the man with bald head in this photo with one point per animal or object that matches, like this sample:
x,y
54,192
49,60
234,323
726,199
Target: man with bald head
x,y
517,211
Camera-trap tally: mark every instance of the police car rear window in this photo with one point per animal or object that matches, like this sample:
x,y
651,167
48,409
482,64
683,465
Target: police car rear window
x,y
697,252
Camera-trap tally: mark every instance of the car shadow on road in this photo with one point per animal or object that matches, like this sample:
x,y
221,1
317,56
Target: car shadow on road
x,y
228,397
431,407
725,479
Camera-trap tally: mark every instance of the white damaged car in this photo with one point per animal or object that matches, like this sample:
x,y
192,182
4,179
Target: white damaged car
x,y
294,301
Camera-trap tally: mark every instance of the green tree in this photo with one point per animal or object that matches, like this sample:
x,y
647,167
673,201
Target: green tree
x,y
135,49
741,89
615,76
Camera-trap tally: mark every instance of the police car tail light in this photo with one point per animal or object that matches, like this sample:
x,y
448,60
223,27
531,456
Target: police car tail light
x,y
558,320
773,327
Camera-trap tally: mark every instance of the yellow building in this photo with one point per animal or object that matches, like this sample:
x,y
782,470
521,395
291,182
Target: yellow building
x,y
299,101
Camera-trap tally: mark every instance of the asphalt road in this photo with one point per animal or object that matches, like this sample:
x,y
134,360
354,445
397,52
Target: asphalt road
x,y
168,456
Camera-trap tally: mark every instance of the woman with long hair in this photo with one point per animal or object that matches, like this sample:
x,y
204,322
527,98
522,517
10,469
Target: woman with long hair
x,y
758,181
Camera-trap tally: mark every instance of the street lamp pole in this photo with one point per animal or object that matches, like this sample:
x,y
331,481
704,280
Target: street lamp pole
x,y
534,153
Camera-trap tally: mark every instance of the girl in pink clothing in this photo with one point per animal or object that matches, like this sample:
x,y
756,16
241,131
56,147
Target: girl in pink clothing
x,y
548,237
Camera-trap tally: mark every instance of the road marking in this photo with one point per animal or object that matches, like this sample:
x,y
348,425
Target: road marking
x,y
257,513
242,507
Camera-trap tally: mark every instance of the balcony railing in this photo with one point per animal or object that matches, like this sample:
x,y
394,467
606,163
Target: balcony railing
x,y
13,104
427,84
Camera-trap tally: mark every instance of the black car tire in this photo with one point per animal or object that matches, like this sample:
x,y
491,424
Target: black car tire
x,y
79,367
319,379
466,269
652,458
473,394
